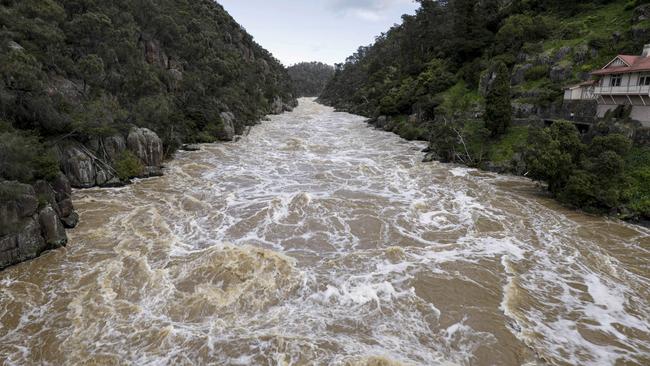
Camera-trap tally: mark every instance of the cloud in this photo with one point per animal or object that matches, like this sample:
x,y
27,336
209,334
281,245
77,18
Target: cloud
x,y
370,10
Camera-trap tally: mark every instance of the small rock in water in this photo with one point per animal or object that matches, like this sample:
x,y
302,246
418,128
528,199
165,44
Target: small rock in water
x,y
429,157
189,147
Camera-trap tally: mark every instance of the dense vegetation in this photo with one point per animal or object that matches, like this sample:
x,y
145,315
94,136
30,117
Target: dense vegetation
x,y
591,172
458,72
82,69
309,78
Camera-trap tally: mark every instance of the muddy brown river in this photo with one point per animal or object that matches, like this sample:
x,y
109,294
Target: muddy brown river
x,y
316,240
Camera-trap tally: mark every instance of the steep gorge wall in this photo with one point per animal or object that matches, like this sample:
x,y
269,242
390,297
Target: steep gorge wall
x,y
106,91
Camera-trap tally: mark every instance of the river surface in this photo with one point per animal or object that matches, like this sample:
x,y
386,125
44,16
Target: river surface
x,y
316,240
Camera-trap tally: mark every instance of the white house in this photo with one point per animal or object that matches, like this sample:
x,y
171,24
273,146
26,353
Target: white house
x,y
625,81
582,91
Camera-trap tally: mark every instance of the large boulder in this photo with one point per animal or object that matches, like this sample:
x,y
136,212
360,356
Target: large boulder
x,y
17,201
45,194
61,187
228,120
84,169
63,194
52,228
113,147
107,148
78,167
146,145
26,232
26,244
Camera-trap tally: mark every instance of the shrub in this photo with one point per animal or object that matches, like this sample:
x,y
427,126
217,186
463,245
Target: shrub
x,y
537,72
408,131
128,166
25,159
553,154
101,117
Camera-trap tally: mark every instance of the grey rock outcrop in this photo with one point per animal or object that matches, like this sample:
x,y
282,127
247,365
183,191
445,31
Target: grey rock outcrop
x,y
33,218
277,107
562,53
113,147
93,164
146,145
84,169
63,196
79,167
519,73
52,228
228,120
561,72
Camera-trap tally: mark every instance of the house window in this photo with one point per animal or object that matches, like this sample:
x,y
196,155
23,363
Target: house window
x,y
644,80
616,80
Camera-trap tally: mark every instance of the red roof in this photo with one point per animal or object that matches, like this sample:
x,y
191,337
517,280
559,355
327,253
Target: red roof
x,y
633,64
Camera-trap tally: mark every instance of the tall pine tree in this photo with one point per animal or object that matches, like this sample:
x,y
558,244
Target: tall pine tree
x,y
498,110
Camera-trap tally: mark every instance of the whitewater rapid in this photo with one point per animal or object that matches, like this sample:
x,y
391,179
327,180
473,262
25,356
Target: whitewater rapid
x,y
317,240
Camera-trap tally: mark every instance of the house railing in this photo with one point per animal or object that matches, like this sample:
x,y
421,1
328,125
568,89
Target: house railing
x,y
629,89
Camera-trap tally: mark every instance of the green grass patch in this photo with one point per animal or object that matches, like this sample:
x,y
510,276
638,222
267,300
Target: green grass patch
x,y
503,149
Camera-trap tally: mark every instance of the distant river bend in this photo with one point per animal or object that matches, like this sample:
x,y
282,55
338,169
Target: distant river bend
x,y
318,240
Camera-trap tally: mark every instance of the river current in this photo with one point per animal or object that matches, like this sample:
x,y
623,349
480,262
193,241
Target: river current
x,y
317,240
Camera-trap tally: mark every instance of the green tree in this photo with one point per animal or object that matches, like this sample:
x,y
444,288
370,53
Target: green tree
x,y
24,158
553,154
91,68
498,110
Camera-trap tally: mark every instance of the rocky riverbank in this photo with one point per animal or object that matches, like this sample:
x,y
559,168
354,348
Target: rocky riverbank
x,y
506,155
33,218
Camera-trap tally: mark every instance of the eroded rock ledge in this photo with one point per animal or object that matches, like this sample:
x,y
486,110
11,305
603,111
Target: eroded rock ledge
x,y
33,218
94,164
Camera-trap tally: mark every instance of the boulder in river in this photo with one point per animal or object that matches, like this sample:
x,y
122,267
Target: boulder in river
x,y
52,228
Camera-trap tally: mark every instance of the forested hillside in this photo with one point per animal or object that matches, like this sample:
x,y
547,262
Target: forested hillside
x,y
309,78
86,72
460,73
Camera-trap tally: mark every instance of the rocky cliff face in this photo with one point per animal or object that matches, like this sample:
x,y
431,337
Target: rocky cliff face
x,y
33,218
78,96
93,164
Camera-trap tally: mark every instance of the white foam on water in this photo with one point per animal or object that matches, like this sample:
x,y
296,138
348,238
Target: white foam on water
x,y
304,243
461,172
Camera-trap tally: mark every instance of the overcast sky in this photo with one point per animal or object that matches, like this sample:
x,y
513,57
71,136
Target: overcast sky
x,y
316,30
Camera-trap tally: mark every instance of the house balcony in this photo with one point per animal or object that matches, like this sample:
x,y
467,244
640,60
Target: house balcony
x,y
623,90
